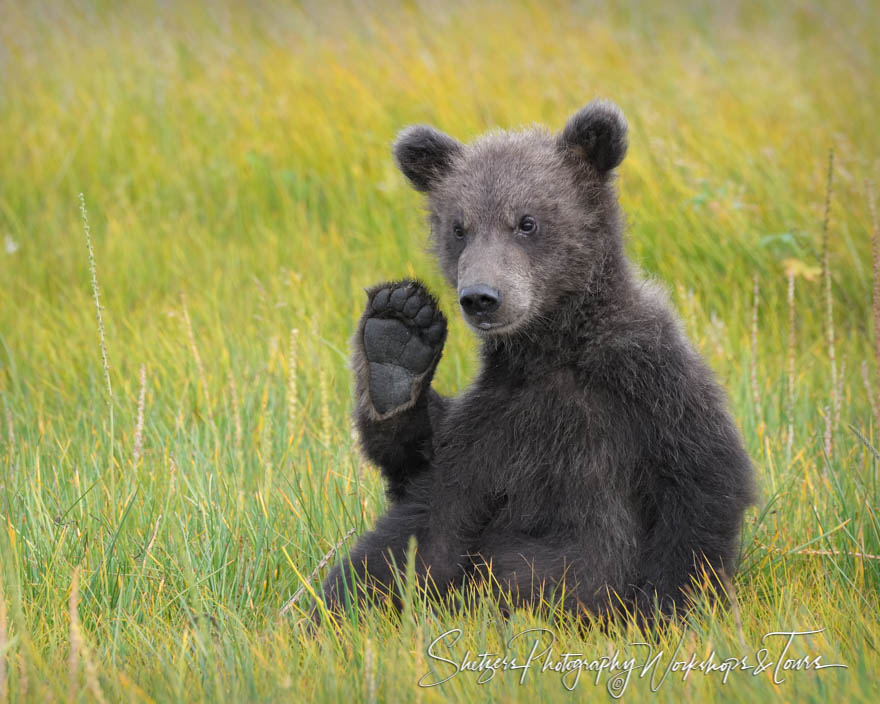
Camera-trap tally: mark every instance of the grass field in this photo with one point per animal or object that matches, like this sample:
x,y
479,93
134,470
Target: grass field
x,y
160,507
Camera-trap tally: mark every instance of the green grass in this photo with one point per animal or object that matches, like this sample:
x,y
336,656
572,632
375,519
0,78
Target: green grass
x,y
236,170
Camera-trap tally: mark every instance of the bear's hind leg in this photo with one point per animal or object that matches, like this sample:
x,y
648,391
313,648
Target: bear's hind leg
x,y
377,563
543,574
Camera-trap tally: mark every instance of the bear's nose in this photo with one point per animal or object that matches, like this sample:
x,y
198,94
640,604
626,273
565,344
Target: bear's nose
x,y
479,299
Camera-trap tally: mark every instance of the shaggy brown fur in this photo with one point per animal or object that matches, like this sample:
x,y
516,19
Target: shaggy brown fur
x,y
594,448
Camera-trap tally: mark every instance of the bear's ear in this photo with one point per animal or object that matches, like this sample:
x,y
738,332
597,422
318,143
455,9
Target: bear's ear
x,y
424,155
596,134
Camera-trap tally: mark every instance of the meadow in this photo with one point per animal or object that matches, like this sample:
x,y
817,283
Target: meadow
x,y
177,461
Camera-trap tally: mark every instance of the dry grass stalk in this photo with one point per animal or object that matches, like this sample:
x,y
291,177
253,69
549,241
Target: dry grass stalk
x,y
78,651
236,413
321,565
75,636
369,672
198,359
419,660
827,553
151,541
875,250
291,380
22,679
866,382
93,269
326,422
829,313
734,607
753,361
827,411
10,429
172,475
139,426
829,421
4,684
92,678
265,427
791,343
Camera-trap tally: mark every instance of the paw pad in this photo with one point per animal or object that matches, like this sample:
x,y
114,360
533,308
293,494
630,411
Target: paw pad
x,y
402,338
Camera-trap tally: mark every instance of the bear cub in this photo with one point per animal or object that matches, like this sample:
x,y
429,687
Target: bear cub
x,y
592,463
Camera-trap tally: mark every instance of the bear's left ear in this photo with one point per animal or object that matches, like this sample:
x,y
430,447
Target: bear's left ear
x,y
596,134
424,155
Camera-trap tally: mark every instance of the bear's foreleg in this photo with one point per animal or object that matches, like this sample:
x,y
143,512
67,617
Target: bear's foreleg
x,y
396,349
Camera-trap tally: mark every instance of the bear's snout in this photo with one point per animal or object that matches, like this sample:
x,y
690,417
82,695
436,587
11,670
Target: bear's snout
x,y
494,287
479,299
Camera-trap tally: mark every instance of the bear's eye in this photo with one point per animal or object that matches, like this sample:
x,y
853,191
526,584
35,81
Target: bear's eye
x,y
458,232
528,225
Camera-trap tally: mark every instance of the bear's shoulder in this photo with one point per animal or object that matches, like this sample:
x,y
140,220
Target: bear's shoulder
x,y
645,356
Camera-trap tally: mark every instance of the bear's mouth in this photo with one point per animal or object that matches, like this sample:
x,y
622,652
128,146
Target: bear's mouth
x,y
489,327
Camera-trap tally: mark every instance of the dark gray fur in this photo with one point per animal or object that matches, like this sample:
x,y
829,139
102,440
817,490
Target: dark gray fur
x,y
594,447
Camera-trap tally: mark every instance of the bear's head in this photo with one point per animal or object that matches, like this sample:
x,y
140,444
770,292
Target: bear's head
x,y
519,220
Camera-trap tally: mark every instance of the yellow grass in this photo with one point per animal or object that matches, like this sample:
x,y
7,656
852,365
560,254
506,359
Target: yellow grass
x,y
234,160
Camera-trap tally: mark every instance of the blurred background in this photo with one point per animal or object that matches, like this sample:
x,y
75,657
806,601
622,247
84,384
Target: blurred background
x,y
194,455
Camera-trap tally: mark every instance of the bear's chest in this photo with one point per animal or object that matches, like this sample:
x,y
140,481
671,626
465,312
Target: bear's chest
x,y
518,438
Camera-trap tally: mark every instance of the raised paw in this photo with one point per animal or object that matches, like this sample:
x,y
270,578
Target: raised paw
x,y
402,334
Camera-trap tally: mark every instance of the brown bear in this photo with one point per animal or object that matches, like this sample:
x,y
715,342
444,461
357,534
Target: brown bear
x,y
594,449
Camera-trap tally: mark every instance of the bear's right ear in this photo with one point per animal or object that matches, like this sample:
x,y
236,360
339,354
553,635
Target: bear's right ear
x,y
424,155
596,134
